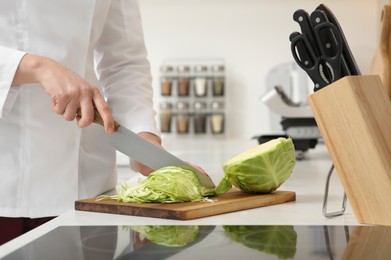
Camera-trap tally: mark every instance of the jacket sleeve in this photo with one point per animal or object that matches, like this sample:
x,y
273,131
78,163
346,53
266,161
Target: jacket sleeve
x,y
123,69
9,62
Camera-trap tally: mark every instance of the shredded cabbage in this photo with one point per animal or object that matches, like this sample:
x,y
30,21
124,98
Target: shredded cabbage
x,y
167,185
171,236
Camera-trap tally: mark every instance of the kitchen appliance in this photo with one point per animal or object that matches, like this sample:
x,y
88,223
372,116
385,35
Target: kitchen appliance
x,y
209,242
286,96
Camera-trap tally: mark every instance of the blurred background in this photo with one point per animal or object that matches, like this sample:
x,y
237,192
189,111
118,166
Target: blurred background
x,y
249,39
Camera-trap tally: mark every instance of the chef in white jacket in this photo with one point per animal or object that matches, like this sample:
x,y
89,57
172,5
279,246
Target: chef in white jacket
x,y
57,56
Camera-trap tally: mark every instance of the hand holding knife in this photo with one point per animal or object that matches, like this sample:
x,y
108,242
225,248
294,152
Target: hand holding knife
x,y
147,153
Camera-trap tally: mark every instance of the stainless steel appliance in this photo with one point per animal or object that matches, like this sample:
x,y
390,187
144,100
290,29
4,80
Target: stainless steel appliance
x,y
288,87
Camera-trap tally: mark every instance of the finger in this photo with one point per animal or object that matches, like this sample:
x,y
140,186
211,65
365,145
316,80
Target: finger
x,y
141,168
59,104
104,112
71,109
87,113
200,169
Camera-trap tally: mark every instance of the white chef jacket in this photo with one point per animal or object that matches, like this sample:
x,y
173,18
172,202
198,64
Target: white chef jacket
x,y
46,162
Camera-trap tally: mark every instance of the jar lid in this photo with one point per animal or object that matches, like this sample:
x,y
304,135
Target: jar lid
x,y
199,105
166,68
183,106
165,105
217,105
200,68
183,68
218,67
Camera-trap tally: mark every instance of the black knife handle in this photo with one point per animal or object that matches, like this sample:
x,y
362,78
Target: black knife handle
x,y
303,19
351,66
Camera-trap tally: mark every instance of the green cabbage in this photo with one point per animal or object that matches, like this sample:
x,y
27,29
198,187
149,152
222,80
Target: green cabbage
x,y
166,185
172,236
261,169
276,240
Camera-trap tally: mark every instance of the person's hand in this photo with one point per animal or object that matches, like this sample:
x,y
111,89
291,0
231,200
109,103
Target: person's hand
x,y
145,170
67,90
141,168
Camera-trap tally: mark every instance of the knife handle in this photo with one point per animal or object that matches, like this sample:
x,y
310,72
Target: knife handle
x,y
98,119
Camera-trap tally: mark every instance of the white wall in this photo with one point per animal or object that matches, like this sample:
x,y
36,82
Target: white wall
x,y
252,37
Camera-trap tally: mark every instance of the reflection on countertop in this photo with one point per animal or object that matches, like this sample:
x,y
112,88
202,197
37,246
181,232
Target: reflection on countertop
x,y
209,242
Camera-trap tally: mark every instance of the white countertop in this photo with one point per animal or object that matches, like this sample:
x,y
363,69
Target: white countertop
x,y
308,180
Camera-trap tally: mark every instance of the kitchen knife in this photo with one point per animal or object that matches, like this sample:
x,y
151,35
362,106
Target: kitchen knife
x,y
350,66
155,157
318,49
310,46
330,43
303,19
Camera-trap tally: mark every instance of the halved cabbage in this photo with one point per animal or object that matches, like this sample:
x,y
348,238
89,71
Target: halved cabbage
x,y
261,169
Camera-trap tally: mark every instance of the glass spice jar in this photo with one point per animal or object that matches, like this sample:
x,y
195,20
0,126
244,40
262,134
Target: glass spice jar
x,y
166,80
182,117
200,116
218,80
165,117
183,80
217,118
200,81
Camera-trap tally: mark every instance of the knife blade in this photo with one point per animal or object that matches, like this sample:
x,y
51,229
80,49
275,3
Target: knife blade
x,y
153,156
136,147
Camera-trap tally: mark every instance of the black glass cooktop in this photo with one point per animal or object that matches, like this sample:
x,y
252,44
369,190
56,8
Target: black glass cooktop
x,y
210,242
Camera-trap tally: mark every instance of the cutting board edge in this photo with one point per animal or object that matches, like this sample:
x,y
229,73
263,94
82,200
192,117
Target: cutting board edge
x,y
148,210
87,205
289,196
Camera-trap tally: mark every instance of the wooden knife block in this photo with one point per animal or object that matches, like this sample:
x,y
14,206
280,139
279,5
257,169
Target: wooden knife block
x,y
354,118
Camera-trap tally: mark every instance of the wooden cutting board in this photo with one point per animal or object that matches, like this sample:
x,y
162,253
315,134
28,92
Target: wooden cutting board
x,y
233,200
